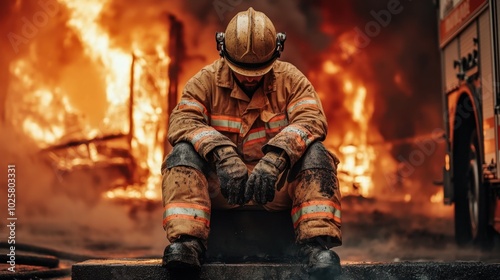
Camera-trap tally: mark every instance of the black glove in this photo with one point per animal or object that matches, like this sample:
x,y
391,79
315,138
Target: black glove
x,y
262,181
232,173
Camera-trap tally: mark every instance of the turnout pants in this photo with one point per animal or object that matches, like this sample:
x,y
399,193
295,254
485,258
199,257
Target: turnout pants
x,y
310,191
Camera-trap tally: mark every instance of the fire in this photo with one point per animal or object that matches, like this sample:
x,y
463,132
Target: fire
x,y
354,170
117,66
350,141
149,129
57,128
348,87
330,68
146,132
134,90
115,62
438,197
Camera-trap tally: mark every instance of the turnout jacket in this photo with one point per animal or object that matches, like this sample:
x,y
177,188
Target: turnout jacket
x,y
284,112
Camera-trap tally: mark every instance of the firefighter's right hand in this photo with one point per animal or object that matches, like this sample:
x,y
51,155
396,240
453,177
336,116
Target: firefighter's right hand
x,y
232,173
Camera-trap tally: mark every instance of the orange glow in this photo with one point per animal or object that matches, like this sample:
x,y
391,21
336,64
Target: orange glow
x,y
127,71
330,68
54,114
351,136
36,129
447,162
355,169
116,62
347,45
357,154
148,117
438,197
348,87
358,106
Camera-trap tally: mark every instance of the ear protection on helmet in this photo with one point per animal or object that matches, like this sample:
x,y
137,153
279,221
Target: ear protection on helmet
x,y
221,47
220,39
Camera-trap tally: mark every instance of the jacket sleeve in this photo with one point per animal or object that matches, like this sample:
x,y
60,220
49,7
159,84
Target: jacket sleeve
x,y
190,119
307,121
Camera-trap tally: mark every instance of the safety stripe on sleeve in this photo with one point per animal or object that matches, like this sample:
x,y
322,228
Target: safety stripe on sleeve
x,y
201,134
187,211
255,135
277,123
302,136
226,123
316,209
191,103
303,102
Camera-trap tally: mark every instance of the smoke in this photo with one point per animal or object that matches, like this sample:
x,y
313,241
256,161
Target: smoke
x,y
6,26
406,56
66,212
392,66
301,24
396,56
201,19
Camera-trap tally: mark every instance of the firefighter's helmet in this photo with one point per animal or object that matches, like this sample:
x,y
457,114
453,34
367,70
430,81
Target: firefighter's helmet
x,y
250,44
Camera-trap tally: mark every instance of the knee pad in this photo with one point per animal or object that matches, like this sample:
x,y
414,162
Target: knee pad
x,y
315,157
184,154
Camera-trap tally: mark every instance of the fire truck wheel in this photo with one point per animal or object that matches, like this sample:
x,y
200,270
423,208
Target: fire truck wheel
x,y
471,197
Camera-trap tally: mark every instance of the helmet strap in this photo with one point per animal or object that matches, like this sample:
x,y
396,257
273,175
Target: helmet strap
x,y
221,48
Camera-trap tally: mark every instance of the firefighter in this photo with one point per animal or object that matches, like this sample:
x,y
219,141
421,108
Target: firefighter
x,y
248,130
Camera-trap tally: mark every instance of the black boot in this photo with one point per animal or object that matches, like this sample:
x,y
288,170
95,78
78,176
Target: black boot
x,y
321,262
183,258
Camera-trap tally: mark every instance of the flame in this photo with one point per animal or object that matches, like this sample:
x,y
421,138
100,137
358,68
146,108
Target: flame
x,y
348,87
348,46
355,167
49,114
29,110
149,130
355,170
330,68
438,197
126,72
49,127
37,130
146,132
358,159
97,45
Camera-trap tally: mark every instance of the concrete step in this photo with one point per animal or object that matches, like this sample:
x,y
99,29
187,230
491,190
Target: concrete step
x,y
149,269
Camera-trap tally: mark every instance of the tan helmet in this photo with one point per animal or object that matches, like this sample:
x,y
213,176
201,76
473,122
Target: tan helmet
x,y
250,44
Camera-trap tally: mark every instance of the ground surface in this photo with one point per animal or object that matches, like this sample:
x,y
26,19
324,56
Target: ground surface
x,y
374,231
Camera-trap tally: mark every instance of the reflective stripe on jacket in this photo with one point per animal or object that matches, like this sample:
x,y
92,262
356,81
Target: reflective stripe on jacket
x,y
284,112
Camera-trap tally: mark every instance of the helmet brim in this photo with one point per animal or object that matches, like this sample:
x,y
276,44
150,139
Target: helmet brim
x,y
250,72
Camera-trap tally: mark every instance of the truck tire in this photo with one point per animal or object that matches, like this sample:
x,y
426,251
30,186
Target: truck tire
x,y
471,195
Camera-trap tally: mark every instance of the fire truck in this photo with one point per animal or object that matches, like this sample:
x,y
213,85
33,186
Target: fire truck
x,y
469,42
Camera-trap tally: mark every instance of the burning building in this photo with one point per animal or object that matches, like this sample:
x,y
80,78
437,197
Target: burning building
x,y
108,110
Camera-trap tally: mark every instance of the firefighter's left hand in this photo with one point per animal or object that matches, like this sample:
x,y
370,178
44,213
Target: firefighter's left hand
x,y
262,180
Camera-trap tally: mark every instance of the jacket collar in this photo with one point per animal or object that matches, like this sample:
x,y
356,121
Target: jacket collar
x,y
224,78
